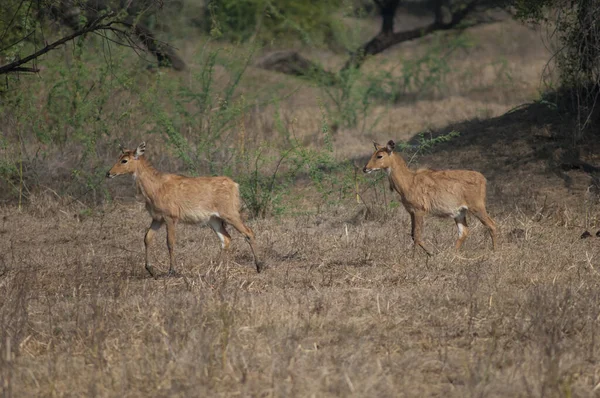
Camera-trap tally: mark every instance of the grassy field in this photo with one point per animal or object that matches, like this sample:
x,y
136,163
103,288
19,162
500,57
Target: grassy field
x,y
345,307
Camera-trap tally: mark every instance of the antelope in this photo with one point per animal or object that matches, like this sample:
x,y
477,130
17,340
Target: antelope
x,y
171,198
442,193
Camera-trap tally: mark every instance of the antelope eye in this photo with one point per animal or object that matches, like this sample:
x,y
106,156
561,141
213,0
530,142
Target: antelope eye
x,y
124,161
379,156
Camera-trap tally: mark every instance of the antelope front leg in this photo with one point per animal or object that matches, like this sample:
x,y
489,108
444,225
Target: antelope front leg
x,y
412,226
154,227
417,228
171,244
412,232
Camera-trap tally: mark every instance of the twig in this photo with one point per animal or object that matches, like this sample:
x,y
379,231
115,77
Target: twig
x,y
92,26
25,69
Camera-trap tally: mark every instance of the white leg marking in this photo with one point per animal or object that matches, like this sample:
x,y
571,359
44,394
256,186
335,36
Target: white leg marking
x,y
222,239
215,224
461,219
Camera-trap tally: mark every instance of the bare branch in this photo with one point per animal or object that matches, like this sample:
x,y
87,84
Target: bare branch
x,y
162,51
18,41
90,27
25,69
385,40
292,63
127,41
12,20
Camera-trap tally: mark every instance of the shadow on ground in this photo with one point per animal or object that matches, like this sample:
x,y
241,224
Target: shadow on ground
x,y
532,142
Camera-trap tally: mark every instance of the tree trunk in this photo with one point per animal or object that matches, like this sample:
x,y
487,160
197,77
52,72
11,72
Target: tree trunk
x,y
165,55
291,62
444,20
387,10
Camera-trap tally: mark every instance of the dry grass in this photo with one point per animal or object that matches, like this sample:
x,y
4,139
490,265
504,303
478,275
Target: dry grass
x,y
346,308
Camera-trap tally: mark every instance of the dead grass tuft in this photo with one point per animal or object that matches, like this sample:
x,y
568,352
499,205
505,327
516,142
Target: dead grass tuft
x,y
344,308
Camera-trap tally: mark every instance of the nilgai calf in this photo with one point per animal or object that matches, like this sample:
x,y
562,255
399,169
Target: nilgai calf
x,y
172,198
442,193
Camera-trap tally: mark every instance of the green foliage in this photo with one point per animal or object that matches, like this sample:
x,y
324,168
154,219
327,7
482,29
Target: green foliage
x,y
27,27
198,119
71,109
239,20
427,143
427,73
575,27
534,10
95,95
352,97
18,19
202,115
9,173
358,90
267,187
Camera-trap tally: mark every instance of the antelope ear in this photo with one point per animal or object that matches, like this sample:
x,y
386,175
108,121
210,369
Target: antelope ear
x,y
376,145
390,146
122,148
139,151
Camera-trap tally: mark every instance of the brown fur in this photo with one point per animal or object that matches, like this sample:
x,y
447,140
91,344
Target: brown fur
x,y
172,198
443,193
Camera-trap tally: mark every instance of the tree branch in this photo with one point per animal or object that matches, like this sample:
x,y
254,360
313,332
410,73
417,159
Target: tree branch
x,y
90,27
25,69
385,40
164,53
12,20
292,63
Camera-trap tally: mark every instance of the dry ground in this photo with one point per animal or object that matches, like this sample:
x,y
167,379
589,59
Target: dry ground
x,y
344,309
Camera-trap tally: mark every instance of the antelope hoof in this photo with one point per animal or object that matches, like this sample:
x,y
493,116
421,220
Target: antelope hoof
x,y
172,273
259,266
422,246
150,270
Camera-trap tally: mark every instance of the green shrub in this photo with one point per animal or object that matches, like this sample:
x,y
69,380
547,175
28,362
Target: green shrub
x,y
239,20
575,31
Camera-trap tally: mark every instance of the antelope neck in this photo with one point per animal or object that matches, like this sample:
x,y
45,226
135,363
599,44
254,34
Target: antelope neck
x,y
399,174
147,178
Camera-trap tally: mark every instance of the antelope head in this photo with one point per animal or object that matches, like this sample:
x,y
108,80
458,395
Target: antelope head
x,y
381,158
127,163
